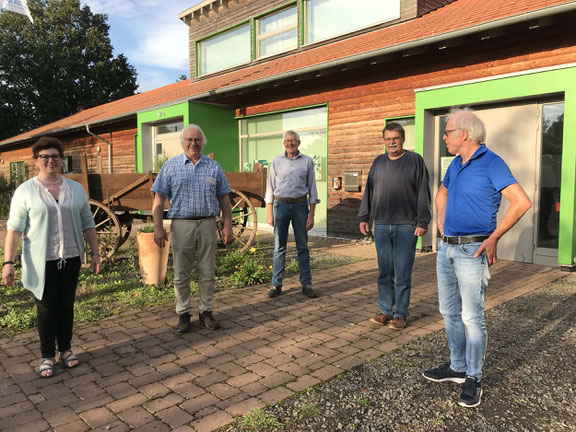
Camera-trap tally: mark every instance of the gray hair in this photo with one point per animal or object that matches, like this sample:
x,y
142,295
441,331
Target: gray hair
x,y
294,134
465,119
394,127
197,129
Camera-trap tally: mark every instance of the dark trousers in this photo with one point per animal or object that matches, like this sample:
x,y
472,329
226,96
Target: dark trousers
x,y
56,309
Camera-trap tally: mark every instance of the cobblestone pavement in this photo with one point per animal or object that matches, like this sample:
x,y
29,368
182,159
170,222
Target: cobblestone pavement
x,y
138,373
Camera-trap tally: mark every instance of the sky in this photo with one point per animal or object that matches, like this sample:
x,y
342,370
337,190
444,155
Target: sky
x,y
150,34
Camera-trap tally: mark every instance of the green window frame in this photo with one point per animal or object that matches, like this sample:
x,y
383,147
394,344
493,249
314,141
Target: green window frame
x,y
276,32
224,50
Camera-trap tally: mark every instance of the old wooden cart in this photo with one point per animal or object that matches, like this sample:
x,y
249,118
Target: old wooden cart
x,y
117,200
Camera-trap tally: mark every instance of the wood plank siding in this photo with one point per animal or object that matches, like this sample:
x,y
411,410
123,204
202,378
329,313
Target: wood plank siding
x,y
360,100
227,14
120,135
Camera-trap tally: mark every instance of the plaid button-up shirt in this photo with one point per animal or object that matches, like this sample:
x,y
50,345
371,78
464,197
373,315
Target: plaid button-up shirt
x,y
192,190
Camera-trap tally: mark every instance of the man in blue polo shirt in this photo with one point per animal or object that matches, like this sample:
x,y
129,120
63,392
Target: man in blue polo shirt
x,y
466,207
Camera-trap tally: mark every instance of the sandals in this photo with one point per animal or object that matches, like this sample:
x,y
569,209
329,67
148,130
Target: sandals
x,y
46,369
68,359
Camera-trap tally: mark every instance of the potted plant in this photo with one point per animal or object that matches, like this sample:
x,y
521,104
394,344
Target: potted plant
x,y
153,259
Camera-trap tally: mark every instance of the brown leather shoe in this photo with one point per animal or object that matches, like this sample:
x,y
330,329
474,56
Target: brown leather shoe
x,y
207,318
381,319
184,323
397,323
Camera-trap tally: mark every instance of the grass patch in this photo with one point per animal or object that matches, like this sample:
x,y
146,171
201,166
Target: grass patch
x,y
308,411
259,420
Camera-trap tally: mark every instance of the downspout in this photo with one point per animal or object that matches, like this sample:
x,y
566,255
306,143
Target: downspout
x,y
109,147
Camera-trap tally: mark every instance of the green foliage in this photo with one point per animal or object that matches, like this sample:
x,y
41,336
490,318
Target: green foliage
x,y
292,266
308,411
61,62
148,228
251,273
365,402
159,161
6,190
229,262
259,420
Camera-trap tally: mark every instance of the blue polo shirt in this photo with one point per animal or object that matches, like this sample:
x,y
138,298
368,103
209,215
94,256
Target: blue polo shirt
x,y
474,193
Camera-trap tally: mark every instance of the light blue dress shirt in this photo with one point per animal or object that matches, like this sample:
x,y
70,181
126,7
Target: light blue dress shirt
x,y
292,178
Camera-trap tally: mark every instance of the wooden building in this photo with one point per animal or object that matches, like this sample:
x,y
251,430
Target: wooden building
x,y
337,71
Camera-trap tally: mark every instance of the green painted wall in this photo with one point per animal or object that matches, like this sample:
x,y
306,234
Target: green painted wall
x,y
560,81
221,130
217,122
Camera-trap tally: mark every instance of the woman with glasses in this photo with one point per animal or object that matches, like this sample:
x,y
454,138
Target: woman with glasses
x,y
51,212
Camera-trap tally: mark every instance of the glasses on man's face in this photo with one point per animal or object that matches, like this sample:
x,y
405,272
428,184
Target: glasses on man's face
x,y
394,139
46,158
193,140
447,132
291,141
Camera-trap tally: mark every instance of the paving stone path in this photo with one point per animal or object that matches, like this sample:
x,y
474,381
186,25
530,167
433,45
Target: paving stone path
x,y
137,373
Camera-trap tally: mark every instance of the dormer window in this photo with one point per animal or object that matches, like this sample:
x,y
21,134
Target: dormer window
x,y
329,18
224,50
277,32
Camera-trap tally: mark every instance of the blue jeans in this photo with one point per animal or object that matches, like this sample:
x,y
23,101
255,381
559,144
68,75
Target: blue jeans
x,y
285,213
396,248
462,281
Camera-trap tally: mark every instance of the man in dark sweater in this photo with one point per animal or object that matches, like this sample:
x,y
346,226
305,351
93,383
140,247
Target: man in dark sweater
x,y
397,197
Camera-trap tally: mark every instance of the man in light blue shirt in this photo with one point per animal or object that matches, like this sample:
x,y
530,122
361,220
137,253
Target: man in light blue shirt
x,y
291,187
196,188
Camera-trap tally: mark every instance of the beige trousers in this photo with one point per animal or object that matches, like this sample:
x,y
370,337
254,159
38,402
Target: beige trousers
x,y
194,241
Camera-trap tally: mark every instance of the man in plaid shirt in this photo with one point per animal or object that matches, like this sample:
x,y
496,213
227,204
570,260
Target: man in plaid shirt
x,y
197,189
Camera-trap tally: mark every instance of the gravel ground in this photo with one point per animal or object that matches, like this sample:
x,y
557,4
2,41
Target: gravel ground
x,y
528,383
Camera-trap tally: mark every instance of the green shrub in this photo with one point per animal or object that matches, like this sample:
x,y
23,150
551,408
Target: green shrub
x,y
251,273
159,161
229,262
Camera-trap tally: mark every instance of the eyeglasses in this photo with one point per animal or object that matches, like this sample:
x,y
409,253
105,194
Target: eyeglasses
x,y
46,158
195,140
287,141
446,132
395,139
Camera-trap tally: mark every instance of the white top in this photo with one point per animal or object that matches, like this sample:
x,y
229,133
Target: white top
x,y
61,241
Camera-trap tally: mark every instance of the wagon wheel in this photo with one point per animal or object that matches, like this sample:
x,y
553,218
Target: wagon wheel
x,y
126,223
243,221
108,228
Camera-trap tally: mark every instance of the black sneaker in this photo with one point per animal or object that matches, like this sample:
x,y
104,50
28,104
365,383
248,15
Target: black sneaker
x,y
309,292
471,393
444,373
274,291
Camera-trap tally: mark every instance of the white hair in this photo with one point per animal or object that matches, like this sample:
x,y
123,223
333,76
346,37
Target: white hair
x,y
465,119
197,129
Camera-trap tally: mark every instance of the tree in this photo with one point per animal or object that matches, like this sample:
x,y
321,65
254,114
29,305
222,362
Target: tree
x,y
60,63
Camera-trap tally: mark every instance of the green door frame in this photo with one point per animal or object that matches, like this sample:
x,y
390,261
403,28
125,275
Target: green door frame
x,y
535,84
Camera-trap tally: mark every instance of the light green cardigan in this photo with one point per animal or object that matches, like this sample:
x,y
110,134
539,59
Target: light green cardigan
x,y
29,215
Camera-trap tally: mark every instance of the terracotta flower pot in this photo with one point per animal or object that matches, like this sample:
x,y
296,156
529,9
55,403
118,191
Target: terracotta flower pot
x,y
153,259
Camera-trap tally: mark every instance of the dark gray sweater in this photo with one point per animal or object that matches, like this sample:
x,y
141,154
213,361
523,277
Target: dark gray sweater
x,y
397,192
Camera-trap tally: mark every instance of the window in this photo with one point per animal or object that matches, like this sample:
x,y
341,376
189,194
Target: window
x,y
408,124
329,18
261,141
67,165
169,127
17,172
224,50
277,32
